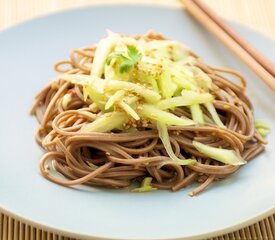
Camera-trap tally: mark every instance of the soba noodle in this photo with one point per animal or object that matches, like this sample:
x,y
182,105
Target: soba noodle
x,y
118,158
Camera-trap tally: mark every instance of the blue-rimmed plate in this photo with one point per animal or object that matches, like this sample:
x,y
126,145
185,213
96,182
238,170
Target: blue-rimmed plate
x,y
28,52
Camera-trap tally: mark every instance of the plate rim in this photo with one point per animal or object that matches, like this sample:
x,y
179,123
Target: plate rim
x,y
66,233
79,8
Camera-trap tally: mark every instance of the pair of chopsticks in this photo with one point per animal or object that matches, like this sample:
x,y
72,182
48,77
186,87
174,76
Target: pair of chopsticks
x,y
263,67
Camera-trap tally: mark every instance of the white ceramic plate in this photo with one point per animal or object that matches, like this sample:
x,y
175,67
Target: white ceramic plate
x,y
28,52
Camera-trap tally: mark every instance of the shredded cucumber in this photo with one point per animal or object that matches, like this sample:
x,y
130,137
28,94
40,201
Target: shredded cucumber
x,y
166,86
145,186
164,136
106,122
127,108
222,155
135,80
114,98
104,47
152,112
197,113
149,95
188,98
262,127
210,107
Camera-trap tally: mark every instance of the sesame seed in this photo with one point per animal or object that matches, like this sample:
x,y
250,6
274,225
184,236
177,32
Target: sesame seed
x,y
226,107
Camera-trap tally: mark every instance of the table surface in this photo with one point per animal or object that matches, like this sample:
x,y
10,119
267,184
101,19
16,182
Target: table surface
x,y
256,14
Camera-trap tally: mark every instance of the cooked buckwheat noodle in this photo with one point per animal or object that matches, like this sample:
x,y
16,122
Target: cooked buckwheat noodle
x,y
118,159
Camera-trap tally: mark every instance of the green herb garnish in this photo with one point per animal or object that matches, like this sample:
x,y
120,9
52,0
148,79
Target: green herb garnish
x,y
125,61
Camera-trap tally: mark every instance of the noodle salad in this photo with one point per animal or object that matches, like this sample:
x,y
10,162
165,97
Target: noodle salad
x,y
146,110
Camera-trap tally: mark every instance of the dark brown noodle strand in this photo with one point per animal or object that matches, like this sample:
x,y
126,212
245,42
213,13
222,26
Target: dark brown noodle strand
x,y
115,160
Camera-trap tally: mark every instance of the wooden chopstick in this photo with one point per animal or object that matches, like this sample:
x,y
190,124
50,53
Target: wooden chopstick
x,y
265,62
254,60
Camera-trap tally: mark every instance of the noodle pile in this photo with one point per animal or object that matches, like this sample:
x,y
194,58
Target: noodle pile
x,y
118,158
